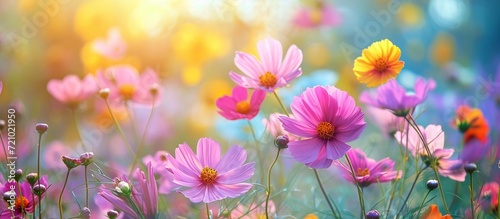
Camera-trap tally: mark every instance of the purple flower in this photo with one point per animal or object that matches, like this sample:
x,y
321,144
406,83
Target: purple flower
x,y
394,97
367,170
209,176
326,118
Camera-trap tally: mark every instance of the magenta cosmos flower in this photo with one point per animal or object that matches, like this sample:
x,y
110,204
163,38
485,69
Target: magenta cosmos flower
x,y
434,136
326,118
25,202
208,176
126,84
71,90
238,106
393,97
271,72
367,170
488,197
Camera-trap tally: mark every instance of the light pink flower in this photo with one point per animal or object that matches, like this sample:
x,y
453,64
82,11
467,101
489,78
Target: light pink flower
x,y
159,161
326,118
208,176
322,15
385,120
434,136
253,211
113,47
275,128
126,84
368,170
238,106
271,72
71,90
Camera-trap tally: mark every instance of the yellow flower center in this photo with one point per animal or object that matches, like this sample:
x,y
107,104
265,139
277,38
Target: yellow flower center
x,y
21,202
243,107
325,130
381,65
208,175
127,91
362,172
268,80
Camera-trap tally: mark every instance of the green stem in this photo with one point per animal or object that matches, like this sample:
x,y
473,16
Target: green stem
x,y
39,176
423,201
141,144
324,193
360,193
135,208
268,189
86,188
73,111
60,196
259,154
433,160
471,191
208,211
119,129
281,103
411,189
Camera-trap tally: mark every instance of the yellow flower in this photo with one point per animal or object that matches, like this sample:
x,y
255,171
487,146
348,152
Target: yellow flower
x,y
311,216
378,64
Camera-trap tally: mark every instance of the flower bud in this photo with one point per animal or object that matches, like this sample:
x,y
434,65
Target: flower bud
x,y
32,178
9,195
85,213
104,93
432,184
71,162
2,124
112,214
470,168
281,141
39,189
373,214
41,128
123,188
87,158
18,175
153,90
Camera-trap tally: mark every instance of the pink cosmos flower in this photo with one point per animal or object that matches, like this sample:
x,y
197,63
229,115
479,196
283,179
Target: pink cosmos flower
x,y
326,118
385,120
71,90
113,47
322,15
126,84
145,197
434,136
253,211
159,161
488,197
275,128
271,72
367,170
393,97
24,202
238,106
208,176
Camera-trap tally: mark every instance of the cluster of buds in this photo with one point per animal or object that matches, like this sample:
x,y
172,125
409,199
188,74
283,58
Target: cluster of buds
x,y
85,159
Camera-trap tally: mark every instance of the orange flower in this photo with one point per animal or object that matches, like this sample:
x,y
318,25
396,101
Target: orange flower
x,y
472,123
433,213
378,64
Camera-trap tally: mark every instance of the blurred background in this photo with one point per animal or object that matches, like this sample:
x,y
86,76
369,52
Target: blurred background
x,y
191,45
